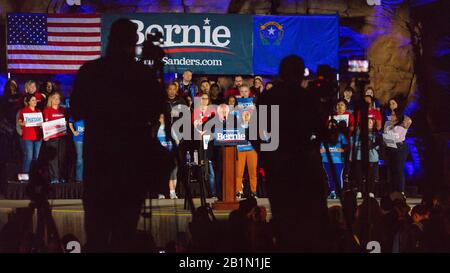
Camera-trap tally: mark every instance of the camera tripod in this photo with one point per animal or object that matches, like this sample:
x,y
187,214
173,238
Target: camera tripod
x,y
201,177
47,236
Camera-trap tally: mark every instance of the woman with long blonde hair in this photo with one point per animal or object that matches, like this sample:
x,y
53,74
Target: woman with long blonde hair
x,y
31,88
55,145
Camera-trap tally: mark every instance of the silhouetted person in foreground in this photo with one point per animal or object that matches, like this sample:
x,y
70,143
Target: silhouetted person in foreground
x,y
119,99
295,177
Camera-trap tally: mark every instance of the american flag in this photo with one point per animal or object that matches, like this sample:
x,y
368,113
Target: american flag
x,y
52,43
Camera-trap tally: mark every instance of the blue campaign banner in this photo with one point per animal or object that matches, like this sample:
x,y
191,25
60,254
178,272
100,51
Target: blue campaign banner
x,y
202,43
229,137
314,38
245,147
244,103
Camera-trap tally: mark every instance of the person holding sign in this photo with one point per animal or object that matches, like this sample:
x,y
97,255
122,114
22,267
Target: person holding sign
x,y
395,103
342,114
246,156
77,128
337,144
56,140
396,150
245,102
30,119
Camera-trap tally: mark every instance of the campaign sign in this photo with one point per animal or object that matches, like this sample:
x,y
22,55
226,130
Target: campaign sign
x,y
229,137
206,139
202,43
54,128
33,119
245,104
340,118
245,148
389,140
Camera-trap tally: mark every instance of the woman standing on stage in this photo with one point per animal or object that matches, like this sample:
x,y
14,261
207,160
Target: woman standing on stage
x,y
10,103
232,101
375,102
396,149
56,145
201,115
47,88
31,136
394,103
77,128
337,145
168,144
30,88
356,169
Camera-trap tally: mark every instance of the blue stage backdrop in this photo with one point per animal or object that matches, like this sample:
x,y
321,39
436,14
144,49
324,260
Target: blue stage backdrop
x,y
314,38
203,43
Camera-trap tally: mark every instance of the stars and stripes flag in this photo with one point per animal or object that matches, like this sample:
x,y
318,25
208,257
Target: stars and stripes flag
x,y
51,43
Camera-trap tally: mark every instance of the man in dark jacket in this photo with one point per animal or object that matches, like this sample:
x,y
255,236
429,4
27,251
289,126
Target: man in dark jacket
x,y
174,102
119,99
187,87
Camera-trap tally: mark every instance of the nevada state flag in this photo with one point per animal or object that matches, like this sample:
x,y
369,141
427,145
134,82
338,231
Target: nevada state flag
x,y
314,38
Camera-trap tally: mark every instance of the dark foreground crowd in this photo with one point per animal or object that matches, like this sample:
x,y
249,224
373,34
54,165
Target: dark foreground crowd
x,y
320,143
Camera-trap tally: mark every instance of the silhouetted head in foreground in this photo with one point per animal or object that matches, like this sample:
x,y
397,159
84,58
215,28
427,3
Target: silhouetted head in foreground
x,y
292,69
38,187
122,38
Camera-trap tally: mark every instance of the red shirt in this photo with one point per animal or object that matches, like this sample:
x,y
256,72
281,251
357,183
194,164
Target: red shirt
x,y
52,114
232,92
30,133
39,98
204,115
372,113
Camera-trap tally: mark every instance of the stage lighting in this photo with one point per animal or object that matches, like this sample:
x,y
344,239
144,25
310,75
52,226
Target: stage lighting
x,y
73,2
374,2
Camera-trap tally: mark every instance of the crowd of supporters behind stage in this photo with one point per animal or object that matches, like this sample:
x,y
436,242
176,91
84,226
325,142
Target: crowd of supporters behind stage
x,y
397,226
342,144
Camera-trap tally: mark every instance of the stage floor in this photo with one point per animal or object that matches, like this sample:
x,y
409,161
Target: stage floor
x,y
168,216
